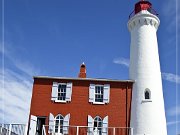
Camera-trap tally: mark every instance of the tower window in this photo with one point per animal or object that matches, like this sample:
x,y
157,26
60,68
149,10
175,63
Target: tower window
x,y
147,94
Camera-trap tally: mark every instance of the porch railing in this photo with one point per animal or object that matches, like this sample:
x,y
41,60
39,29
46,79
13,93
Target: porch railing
x,y
84,130
13,129
21,129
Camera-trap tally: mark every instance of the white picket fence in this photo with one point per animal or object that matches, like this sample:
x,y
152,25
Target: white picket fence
x,y
84,130
13,129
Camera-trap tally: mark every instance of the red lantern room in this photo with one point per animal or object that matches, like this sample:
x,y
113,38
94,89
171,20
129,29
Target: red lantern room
x,y
142,5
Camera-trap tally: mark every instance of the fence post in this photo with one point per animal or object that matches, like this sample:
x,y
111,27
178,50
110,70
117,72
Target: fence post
x,y
1,128
131,131
114,131
10,127
77,131
43,130
25,129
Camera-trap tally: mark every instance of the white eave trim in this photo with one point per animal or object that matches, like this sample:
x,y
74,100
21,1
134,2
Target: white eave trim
x,y
88,79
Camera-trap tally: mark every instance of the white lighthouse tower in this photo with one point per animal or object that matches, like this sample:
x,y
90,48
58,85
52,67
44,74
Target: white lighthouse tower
x,y
147,108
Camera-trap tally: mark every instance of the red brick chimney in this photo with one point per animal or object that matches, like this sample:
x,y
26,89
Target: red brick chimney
x,y
82,73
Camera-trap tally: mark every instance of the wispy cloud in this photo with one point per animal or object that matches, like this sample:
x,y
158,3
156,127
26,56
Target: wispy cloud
x,y
173,111
121,61
171,77
168,7
16,90
171,18
172,123
165,76
169,13
15,97
23,65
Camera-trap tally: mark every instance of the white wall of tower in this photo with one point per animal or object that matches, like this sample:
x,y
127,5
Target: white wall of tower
x,y
147,116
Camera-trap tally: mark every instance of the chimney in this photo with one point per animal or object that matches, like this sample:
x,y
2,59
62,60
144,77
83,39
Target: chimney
x,y
82,73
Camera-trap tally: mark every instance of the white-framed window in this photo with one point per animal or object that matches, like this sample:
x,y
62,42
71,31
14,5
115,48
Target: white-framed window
x,y
59,119
61,92
99,94
99,90
147,96
97,125
59,124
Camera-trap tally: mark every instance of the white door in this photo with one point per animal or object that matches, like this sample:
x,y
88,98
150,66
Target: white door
x,y
33,124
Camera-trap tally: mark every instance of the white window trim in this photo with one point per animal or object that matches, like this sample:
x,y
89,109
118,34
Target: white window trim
x,y
91,125
150,98
62,101
52,124
149,91
55,124
96,128
106,94
100,103
103,102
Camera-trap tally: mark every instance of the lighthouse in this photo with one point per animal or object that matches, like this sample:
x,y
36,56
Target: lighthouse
x,y
147,107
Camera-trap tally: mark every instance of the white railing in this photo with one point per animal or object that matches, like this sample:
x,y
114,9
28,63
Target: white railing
x,y
84,130
21,129
13,129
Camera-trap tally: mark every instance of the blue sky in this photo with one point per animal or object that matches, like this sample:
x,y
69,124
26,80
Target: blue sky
x,y
52,38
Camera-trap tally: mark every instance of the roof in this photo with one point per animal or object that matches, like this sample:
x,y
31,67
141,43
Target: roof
x,y
88,79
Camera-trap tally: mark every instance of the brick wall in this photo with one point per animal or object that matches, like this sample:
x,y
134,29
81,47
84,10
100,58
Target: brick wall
x,y
118,110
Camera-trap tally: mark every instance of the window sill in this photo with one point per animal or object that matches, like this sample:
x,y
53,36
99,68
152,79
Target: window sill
x,y
146,100
99,103
60,101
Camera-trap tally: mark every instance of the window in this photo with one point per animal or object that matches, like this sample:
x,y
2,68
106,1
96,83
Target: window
x,y
99,94
147,94
59,124
99,90
61,92
98,125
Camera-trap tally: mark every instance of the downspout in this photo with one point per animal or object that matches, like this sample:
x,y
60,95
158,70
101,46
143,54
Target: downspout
x,y
127,108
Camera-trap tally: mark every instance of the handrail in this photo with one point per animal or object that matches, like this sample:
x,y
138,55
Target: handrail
x,y
132,14
150,10
77,130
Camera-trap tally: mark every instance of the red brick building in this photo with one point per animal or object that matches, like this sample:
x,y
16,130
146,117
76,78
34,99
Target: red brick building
x,y
62,103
